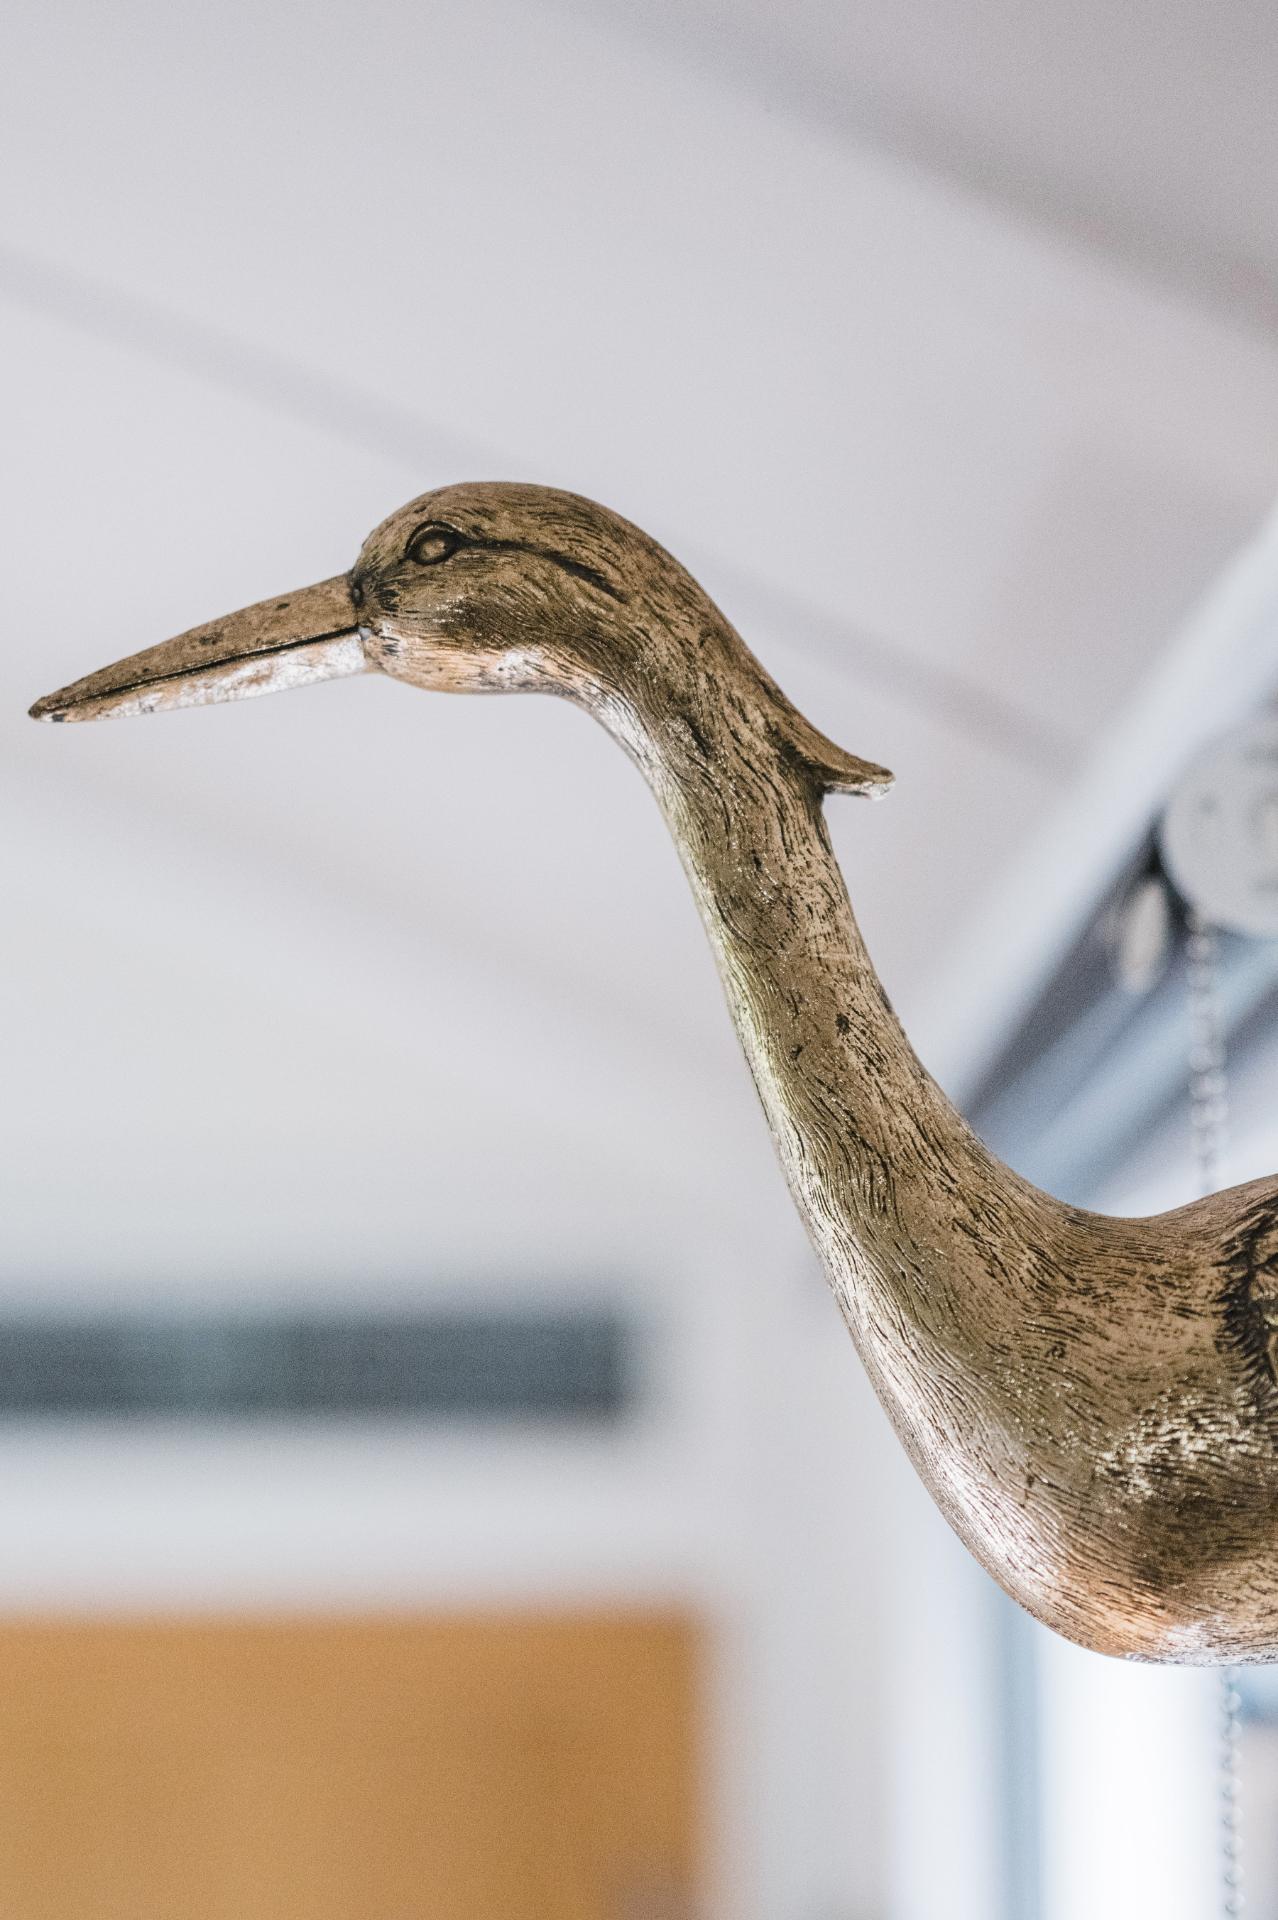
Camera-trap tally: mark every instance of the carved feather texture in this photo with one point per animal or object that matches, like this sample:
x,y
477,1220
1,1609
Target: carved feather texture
x,y
1091,1401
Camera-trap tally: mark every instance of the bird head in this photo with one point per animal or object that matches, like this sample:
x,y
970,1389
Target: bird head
x,y
500,588
488,588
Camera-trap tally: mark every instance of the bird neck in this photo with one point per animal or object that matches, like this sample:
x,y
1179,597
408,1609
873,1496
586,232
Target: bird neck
x,y
879,1163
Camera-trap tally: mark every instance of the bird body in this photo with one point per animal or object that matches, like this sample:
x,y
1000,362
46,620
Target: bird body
x,y
1092,1401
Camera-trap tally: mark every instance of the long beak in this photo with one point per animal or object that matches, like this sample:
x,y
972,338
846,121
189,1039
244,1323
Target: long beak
x,y
288,642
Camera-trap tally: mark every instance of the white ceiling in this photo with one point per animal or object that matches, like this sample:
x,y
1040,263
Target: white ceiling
x,y
1148,132
368,982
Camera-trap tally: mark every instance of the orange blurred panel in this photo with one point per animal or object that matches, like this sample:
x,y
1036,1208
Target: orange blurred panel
x,y
510,1768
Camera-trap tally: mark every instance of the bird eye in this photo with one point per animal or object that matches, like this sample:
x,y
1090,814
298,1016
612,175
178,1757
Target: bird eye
x,y
433,543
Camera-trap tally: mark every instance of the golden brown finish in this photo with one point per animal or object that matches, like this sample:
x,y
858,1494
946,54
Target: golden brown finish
x,y
284,642
1091,1401
511,1767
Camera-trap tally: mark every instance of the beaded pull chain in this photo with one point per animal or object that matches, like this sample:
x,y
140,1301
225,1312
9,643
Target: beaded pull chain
x,y
1209,1120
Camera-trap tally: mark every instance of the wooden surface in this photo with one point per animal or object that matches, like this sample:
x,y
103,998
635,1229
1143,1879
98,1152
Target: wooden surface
x,y
431,1769
1092,1402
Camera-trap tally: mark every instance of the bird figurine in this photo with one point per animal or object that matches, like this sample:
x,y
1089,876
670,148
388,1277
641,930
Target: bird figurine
x,y
1091,1401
